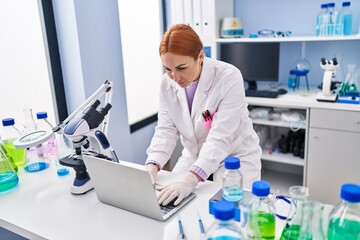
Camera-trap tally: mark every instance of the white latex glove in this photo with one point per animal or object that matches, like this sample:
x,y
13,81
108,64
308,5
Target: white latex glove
x,y
179,190
153,170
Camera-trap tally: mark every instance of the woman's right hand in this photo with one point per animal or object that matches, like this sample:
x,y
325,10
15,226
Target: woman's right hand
x,y
153,170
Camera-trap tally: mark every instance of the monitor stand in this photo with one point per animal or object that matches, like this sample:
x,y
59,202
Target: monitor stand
x,y
252,86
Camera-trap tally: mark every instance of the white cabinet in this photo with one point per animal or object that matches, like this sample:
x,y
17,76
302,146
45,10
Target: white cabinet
x,y
333,153
281,165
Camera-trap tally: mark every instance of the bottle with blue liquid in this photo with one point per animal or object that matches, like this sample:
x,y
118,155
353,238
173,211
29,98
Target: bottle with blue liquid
x,y
224,227
8,177
232,186
322,21
345,19
333,26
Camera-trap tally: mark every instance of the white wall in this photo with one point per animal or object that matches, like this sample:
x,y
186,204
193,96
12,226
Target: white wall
x,y
90,51
24,74
141,32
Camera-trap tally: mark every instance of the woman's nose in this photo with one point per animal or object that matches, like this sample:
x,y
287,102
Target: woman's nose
x,y
175,76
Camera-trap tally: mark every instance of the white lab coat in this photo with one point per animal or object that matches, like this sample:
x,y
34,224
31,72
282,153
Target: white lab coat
x,y
221,91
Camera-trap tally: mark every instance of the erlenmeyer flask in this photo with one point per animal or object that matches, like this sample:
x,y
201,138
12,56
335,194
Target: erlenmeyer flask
x,y
311,225
292,227
8,177
350,84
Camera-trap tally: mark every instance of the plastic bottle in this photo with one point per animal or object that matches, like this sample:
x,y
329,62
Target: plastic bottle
x,y
8,177
332,17
262,213
344,219
299,195
9,134
232,186
322,20
224,226
345,18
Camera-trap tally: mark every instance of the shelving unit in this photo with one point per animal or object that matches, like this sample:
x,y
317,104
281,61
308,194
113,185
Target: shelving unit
x,y
283,170
290,39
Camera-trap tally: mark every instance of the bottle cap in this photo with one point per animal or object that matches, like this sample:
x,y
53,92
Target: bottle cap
x,y
261,188
41,115
324,5
8,122
232,163
350,192
224,210
331,4
346,4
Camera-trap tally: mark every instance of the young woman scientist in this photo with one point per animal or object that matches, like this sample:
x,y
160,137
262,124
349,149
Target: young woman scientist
x,y
193,88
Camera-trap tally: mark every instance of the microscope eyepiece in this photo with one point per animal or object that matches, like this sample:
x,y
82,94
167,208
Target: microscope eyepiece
x,y
105,110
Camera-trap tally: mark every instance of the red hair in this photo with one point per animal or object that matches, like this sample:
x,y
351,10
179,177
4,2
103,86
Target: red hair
x,y
181,39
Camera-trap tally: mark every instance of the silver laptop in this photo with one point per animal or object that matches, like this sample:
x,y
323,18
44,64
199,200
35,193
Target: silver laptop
x,y
128,188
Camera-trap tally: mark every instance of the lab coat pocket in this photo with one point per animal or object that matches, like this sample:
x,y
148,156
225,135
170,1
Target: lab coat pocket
x,y
207,121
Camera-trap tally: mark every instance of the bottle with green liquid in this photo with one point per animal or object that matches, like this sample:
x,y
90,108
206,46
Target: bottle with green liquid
x,y
299,195
9,134
344,220
262,213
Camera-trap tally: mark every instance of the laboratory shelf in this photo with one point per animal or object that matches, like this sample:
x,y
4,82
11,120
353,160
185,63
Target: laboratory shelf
x,y
286,158
290,39
281,180
294,125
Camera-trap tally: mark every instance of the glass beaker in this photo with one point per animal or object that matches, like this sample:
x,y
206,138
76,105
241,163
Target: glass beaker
x,y
311,224
299,195
349,86
8,177
35,160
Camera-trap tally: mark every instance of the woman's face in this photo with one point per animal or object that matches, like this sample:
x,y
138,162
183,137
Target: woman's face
x,y
182,69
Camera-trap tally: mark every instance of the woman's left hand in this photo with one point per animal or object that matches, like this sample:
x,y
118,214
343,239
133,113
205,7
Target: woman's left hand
x,y
178,190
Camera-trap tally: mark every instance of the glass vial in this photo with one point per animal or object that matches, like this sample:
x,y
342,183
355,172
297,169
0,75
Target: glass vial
x,y
232,186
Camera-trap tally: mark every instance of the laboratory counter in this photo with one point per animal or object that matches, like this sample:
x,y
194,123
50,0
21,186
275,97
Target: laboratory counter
x,y
42,207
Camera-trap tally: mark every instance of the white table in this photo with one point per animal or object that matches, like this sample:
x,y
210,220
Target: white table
x,y
42,207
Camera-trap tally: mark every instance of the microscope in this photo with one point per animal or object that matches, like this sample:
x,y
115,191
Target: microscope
x,y
86,128
328,86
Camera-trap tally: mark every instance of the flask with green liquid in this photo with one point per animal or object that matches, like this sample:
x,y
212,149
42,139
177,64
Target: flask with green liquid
x,y
262,213
8,176
299,195
344,220
312,222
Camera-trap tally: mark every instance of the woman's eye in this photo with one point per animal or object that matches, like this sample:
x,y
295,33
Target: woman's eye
x,y
182,68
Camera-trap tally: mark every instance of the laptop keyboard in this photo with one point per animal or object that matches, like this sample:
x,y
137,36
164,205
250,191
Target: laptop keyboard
x,y
166,209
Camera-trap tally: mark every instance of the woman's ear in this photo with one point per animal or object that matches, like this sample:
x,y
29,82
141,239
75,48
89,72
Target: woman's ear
x,y
201,56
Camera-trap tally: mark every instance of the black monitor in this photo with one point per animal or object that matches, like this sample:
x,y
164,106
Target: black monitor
x,y
256,61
